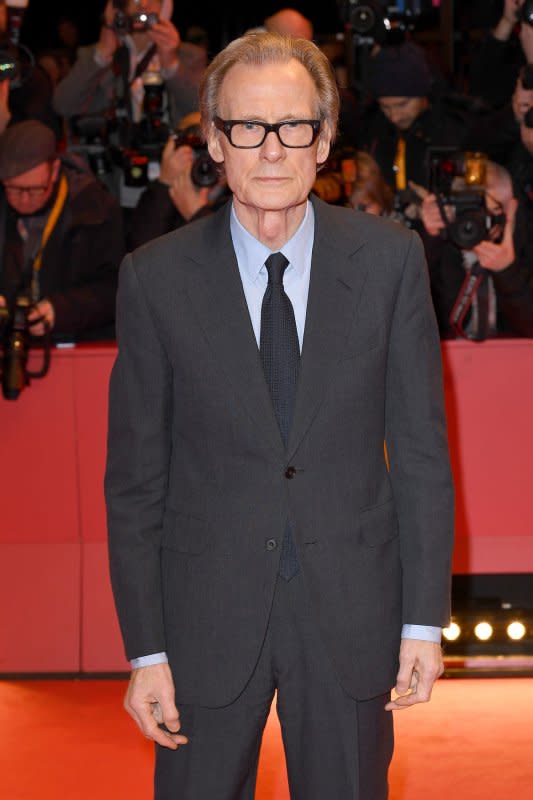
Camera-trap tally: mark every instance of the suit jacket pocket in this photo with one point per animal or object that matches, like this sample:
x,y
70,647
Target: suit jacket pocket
x,y
379,524
184,533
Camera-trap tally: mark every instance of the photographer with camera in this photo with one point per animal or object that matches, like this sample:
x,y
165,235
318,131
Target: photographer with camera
x,y
137,37
189,186
496,64
480,259
60,238
25,88
406,122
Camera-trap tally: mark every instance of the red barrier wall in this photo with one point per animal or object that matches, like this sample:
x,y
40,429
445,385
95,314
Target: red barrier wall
x,y
56,610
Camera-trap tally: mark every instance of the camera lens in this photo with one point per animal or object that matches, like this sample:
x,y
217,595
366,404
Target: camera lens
x,y
363,19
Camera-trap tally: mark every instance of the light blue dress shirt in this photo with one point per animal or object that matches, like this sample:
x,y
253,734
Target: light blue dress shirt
x,y
251,256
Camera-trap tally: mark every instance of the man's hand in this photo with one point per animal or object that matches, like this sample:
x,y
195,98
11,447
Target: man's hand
x,y
42,314
166,38
108,41
420,666
526,40
509,18
176,165
150,701
498,257
429,210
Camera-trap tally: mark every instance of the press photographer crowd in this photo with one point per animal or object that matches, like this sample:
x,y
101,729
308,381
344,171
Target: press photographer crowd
x,y
101,151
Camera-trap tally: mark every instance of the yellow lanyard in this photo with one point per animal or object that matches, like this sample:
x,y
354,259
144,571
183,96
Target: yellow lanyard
x,y
399,165
49,227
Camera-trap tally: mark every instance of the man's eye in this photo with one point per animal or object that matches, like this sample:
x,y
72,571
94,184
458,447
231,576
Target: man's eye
x,y
250,126
294,124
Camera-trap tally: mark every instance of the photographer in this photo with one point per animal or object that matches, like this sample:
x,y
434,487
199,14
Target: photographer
x,y
60,237
29,94
503,303
406,121
109,74
178,196
505,50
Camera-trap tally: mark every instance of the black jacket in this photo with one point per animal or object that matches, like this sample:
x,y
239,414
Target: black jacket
x,y
80,261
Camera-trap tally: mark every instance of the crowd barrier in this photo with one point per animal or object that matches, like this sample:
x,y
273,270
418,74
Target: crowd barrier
x,y
56,610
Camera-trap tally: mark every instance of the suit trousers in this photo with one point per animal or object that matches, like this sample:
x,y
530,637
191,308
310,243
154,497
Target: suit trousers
x,y
335,746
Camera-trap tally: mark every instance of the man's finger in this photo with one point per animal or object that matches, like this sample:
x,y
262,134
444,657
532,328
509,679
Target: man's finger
x,y
145,719
420,191
405,677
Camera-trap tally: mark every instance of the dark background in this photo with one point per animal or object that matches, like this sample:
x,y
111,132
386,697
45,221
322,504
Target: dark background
x,y
223,21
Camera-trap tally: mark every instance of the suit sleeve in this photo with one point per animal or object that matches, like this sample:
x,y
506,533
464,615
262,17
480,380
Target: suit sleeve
x,y
137,467
418,450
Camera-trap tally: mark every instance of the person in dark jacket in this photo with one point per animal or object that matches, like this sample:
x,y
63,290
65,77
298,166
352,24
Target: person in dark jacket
x,y
174,199
498,59
503,304
60,237
406,122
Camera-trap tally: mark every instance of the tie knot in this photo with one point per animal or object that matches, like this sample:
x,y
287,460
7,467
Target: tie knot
x,y
276,265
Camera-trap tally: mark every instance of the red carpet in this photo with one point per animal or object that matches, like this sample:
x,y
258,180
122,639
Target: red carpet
x,y
70,740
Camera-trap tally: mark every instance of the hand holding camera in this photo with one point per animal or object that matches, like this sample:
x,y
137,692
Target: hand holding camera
x,y
166,38
498,257
176,167
119,22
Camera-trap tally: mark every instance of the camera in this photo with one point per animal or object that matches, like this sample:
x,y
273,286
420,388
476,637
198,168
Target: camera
x,y
375,21
15,340
204,170
458,180
16,61
526,12
124,23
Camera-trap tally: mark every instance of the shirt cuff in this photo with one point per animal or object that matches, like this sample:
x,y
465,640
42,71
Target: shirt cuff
x,y
149,661
426,633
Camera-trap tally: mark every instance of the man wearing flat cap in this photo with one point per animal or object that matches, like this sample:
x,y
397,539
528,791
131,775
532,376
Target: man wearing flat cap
x,y
406,121
60,236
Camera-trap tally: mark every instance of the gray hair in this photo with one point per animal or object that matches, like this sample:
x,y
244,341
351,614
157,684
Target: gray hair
x,y
257,49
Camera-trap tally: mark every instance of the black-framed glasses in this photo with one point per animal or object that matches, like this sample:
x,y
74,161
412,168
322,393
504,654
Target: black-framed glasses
x,y
248,133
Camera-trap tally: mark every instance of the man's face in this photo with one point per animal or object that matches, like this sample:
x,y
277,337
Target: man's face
x,y
270,177
402,111
30,191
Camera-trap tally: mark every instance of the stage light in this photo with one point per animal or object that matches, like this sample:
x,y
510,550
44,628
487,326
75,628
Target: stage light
x,y
452,632
516,630
483,631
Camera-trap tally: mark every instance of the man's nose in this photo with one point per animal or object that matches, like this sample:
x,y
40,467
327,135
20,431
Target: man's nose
x,y
272,147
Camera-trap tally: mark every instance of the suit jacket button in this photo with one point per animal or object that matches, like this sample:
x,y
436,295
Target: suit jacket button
x,y
271,544
290,472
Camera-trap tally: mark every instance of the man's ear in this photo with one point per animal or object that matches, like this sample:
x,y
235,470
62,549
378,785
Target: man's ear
x,y
56,166
324,144
213,145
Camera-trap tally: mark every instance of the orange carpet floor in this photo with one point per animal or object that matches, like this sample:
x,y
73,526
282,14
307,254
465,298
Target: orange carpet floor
x,y
70,740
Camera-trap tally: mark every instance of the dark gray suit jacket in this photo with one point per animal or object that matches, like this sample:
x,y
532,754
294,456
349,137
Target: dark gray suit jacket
x,y
197,484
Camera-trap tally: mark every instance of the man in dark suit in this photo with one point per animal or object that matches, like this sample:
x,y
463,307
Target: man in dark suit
x,y
259,542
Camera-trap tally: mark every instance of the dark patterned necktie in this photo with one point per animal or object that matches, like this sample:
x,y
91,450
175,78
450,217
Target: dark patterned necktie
x,y
280,354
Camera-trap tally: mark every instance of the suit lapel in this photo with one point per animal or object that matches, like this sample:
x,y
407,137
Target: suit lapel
x,y
215,291
338,274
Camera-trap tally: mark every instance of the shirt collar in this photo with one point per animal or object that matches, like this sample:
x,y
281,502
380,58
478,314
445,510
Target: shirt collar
x,y
252,254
